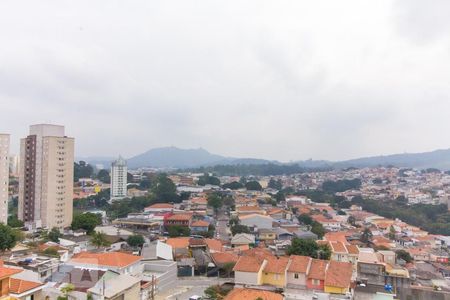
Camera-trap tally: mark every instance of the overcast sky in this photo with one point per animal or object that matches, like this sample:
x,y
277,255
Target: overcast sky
x,y
284,80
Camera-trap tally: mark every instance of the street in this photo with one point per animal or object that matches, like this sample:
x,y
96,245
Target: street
x,y
190,286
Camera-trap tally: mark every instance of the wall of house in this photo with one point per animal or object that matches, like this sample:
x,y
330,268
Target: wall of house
x,y
133,293
253,278
278,280
4,284
335,290
300,281
310,285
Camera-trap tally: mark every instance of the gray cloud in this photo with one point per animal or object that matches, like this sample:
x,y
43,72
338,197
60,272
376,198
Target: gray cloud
x,y
327,79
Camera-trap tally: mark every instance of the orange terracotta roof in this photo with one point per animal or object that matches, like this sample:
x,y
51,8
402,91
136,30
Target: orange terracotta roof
x,y
338,247
250,294
179,242
248,264
213,244
339,274
352,249
299,264
224,257
160,206
318,269
261,253
200,224
180,217
112,259
336,237
7,272
277,266
18,286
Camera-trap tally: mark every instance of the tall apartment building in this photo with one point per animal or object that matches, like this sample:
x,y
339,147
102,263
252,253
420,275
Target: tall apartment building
x,y
118,179
46,177
4,177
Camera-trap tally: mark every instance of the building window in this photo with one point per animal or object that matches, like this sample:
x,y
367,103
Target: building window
x,y
296,276
316,282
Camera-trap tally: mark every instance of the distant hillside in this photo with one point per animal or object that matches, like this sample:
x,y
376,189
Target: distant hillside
x,y
435,159
172,157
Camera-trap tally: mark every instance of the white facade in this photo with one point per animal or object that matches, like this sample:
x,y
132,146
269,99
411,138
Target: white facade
x,y
119,179
4,177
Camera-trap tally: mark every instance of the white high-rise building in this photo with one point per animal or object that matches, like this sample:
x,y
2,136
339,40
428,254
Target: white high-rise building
x,y
46,177
118,179
4,177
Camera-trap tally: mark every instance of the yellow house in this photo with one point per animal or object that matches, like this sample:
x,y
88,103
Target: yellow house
x,y
274,273
338,277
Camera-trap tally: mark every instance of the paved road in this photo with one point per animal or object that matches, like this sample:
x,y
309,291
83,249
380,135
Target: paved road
x,y
189,287
222,231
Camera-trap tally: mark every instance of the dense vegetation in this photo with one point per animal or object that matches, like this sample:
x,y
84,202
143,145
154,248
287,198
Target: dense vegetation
x,y
253,169
341,185
308,247
432,218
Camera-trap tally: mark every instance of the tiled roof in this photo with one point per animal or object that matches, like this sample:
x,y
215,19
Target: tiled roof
x,y
339,274
160,206
336,237
352,249
200,224
338,247
248,208
213,244
112,259
180,217
224,257
299,264
250,294
248,264
18,286
179,242
318,269
6,272
277,266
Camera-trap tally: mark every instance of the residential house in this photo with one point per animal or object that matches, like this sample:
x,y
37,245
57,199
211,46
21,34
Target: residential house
x,y
267,235
243,239
297,271
119,262
316,276
274,272
199,226
12,287
184,220
256,221
338,277
249,270
117,286
159,208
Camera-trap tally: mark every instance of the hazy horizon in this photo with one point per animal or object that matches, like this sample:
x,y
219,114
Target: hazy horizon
x,y
280,81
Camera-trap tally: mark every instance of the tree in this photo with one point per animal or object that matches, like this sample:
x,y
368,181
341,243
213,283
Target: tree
x,y
98,239
216,292
228,268
51,251
275,184
54,235
164,190
136,240
308,247
215,201
7,238
391,233
366,236
103,176
233,185
177,230
305,219
239,229
14,222
87,221
253,186
351,220
82,170
318,229
402,254
207,179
